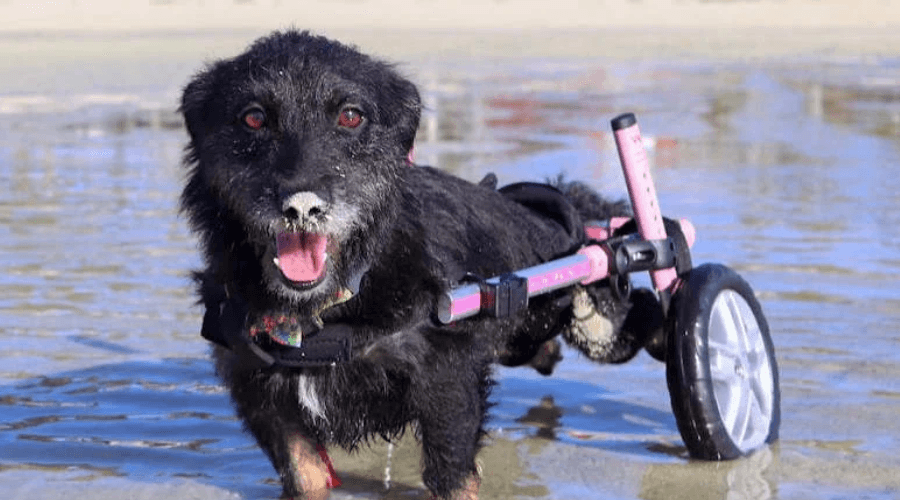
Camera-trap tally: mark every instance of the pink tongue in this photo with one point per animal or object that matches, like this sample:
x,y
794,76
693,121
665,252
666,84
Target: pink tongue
x,y
301,256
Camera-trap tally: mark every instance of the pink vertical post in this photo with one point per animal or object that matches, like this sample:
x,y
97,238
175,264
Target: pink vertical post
x,y
641,190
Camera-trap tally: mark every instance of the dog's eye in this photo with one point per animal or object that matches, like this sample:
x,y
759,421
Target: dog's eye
x,y
350,118
254,118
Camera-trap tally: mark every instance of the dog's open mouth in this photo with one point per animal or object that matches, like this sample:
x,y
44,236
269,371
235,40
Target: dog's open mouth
x,y
302,257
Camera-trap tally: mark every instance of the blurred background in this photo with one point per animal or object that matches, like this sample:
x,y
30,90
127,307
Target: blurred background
x,y
774,125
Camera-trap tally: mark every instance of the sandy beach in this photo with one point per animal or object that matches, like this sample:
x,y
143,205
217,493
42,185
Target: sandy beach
x,y
499,28
435,15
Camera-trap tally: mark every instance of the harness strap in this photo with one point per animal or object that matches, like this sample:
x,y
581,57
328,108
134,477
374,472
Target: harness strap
x,y
225,325
330,345
549,202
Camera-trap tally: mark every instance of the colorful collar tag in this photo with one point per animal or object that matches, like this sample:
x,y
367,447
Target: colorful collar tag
x,y
289,330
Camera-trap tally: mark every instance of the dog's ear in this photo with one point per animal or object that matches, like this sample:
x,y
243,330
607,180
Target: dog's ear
x,y
409,108
195,104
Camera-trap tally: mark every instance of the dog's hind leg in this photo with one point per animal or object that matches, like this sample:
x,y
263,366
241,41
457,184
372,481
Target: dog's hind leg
x,y
548,355
534,343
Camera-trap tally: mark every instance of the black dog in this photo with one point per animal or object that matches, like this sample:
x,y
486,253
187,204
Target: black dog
x,y
326,252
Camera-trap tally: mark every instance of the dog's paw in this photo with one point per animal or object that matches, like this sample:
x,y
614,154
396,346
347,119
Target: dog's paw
x,y
548,355
467,492
591,332
607,330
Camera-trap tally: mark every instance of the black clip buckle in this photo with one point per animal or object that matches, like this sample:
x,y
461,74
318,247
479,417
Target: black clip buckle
x,y
505,295
632,255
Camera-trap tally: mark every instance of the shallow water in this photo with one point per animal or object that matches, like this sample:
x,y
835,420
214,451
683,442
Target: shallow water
x,y
786,167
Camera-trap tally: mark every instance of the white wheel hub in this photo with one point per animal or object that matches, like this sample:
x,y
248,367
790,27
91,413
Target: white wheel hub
x,y
741,372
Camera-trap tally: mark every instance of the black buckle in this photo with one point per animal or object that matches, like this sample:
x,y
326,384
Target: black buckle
x,y
504,296
632,255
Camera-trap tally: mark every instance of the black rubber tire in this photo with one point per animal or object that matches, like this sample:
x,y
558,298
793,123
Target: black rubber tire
x,y
690,376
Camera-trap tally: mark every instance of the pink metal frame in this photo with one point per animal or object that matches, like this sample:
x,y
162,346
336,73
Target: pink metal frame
x,y
642,192
591,263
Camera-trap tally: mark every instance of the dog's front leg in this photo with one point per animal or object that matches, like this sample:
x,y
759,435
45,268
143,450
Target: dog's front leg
x,y
450,472
469,491
451,428
304,467
310,468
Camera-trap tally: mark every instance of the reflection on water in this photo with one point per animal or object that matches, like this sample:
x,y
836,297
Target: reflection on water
x,y
739,480
545,417
788,170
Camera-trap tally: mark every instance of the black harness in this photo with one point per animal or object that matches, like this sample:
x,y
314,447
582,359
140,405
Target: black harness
x,y
227,326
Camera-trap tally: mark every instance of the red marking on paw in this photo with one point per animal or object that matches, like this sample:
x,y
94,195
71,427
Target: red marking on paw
x,y
333,480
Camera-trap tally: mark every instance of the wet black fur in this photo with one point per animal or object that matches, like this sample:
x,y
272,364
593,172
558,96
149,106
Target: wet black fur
x,y
417,231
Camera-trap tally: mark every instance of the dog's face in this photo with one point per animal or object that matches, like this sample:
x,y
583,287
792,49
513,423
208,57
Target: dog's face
x,y
299,140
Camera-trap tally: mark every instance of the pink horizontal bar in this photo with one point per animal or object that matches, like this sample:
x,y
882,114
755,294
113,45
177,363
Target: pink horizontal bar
x,y
466,304
557,277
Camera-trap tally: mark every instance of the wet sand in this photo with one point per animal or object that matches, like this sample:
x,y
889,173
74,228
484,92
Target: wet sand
x,y
84,52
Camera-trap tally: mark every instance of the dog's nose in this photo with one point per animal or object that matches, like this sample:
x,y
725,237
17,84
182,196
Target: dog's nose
x,y
303,205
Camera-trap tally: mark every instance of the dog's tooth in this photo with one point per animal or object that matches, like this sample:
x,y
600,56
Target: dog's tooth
x,y
276,261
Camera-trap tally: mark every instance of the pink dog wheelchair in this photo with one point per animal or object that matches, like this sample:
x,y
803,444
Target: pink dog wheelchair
x,y
720,361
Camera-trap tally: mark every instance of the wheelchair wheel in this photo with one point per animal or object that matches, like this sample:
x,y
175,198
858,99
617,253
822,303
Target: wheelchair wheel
x,y
721,370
